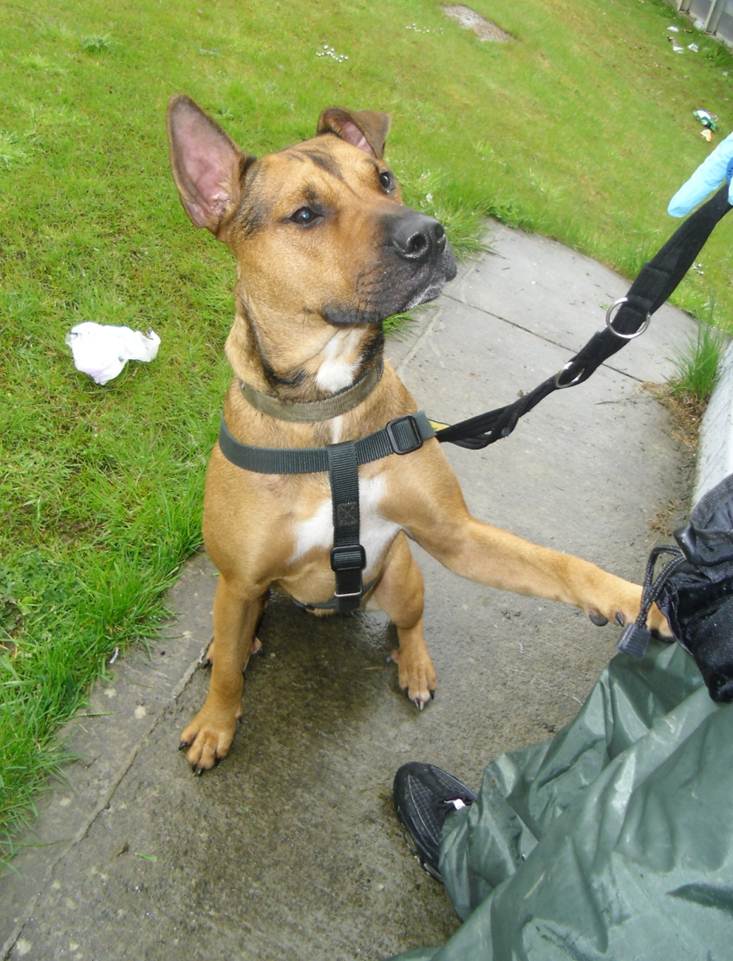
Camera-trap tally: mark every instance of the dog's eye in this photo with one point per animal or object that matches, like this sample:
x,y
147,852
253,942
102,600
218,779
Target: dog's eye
x,y
304,216
387,180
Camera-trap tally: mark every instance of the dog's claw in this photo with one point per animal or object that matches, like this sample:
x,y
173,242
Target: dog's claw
x,y
597,618
204,660
198,771
420,700
183,745
620,618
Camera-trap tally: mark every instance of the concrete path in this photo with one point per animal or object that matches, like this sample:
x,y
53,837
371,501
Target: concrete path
x,y
290,850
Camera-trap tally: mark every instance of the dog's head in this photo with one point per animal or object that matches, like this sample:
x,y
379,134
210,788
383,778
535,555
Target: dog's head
x,y
318,228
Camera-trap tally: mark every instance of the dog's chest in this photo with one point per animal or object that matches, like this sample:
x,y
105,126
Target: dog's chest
x,y
376,532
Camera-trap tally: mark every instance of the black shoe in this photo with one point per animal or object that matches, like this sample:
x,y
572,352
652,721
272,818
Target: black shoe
x,y
424,796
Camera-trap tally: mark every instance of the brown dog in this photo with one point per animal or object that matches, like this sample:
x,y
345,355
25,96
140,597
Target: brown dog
x,y
325,250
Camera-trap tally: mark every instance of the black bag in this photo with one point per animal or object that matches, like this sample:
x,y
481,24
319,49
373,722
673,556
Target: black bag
x,y
695,591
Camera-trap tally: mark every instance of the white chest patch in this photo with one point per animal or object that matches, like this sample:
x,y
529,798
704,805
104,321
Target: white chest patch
x,y
336,373
376,533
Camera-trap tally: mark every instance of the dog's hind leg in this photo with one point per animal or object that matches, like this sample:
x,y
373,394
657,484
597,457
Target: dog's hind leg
x,y
400,593
210,734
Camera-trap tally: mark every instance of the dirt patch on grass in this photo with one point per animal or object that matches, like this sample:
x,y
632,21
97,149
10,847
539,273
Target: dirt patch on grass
x,y
484,29
686,411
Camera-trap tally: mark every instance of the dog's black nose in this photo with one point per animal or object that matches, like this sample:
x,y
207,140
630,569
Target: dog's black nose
x,y
417,237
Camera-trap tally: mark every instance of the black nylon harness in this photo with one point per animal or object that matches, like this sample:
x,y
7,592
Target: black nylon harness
x,y
342,461
656,281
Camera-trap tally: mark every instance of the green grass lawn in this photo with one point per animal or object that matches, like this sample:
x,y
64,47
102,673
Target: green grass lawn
x,y
581,129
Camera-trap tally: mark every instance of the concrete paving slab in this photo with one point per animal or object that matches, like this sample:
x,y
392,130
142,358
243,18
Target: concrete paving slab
x,y
289,850
562,296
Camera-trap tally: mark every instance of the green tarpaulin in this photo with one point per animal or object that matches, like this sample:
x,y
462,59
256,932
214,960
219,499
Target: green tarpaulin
x,y
613,840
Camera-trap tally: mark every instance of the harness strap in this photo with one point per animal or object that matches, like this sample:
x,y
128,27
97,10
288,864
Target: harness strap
x,y
401,436
330,605
348,557
342,461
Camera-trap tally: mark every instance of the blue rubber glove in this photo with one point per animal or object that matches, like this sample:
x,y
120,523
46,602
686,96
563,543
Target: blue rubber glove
x,y
711,173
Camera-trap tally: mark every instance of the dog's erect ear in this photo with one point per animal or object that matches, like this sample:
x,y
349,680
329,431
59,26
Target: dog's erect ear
x,y
365,129
207,164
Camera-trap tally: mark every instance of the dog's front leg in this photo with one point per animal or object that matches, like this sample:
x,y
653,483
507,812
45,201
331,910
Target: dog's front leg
x,y
210,734
439,521
495,557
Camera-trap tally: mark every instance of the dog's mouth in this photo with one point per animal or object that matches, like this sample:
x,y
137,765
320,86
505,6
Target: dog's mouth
x,y
398,290
428,288
429,293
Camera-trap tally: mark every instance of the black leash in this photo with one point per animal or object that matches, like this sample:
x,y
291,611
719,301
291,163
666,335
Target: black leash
x,y
656,281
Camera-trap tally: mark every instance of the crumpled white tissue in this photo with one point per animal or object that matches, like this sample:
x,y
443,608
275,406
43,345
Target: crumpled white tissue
x,y
102,350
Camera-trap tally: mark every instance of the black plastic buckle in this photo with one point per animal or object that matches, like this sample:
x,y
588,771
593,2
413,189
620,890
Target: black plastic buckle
x,y
347,562
344,558
416,442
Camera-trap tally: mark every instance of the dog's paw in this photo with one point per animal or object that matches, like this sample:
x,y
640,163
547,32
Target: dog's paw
x,y
207,738
623,608
417,676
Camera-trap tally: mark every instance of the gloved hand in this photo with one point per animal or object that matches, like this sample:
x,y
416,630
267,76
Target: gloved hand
x,y
711,173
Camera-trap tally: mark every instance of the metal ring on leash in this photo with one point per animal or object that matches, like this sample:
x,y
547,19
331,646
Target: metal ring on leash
x,y
570,383
610,317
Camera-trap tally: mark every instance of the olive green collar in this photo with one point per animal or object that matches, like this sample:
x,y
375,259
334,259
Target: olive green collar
x,y
314,410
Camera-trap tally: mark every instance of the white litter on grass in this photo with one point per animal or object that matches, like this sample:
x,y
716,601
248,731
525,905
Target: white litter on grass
x,y
673,29
102,350
694,47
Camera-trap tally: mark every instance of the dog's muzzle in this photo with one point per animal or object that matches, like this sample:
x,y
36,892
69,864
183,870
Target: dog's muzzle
x,y
415,261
